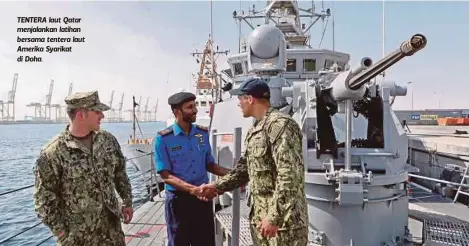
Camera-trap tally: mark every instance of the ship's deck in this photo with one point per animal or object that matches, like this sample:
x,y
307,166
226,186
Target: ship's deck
x,y
437,220
148,226
432,219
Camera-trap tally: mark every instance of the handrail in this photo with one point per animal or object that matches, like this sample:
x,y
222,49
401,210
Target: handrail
x,y
29,186
141,174
136,157
438,180
235,223
19,233
127,159
45,240
17,159
235,197
15,190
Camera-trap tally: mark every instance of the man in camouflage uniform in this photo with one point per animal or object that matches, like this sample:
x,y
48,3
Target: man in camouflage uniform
x,y
75,177
273,164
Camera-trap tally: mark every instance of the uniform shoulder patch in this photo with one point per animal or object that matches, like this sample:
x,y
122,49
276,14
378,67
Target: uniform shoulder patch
x,y
203,128
41,160
276,127
166,131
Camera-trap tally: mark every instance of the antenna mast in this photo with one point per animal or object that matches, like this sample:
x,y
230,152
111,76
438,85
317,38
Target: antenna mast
x,y
211,52
133,117
383,34
333,25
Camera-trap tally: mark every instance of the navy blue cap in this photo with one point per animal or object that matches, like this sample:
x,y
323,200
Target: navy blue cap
x,y
180,97
254,87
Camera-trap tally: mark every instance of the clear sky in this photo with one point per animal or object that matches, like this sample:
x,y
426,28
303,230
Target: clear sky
x,y
142,48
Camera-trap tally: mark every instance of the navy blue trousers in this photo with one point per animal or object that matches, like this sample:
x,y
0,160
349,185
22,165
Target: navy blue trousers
x,y
189,220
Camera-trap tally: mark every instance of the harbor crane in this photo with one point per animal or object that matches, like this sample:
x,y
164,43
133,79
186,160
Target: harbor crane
x,y
155,109
7,108
61,110
111,112
121,105
146,113
43,111
137,110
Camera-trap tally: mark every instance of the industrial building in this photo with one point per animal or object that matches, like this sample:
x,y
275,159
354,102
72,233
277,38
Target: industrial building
x,y
429,116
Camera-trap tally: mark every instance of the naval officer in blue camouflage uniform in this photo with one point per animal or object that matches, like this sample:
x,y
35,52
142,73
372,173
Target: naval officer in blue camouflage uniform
x,y
183,156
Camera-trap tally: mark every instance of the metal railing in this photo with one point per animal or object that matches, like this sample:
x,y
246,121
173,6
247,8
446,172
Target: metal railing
x,y
235,194
433,162
134,188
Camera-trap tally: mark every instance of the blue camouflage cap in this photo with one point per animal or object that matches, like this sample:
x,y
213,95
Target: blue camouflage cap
x,y
254,87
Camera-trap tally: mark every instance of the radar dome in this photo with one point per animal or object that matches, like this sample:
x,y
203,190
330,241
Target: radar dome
x,y
265,41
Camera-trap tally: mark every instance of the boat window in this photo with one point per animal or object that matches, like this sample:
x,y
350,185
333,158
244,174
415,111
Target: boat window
x,y
309,65
341,65
328,64
238,69
196,104
228,73
203,104
291,65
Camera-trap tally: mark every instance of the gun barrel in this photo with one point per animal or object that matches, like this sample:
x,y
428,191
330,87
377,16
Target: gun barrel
x,y
407,48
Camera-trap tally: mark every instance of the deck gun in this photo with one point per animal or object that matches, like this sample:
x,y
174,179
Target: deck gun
x,y
330,90
347,89
357,180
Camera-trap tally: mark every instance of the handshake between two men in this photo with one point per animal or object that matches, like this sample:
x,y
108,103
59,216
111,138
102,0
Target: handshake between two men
x,y
206,192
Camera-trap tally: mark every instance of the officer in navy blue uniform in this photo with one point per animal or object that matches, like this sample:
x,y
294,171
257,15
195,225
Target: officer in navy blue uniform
x,y
183,156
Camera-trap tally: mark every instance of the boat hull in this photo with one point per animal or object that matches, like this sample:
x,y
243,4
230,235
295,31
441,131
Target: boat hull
x,y
140,156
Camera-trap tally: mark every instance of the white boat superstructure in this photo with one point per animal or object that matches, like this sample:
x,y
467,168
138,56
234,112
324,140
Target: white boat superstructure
x,y
207,83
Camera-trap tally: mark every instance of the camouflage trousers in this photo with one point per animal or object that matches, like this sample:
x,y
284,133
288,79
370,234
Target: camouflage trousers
x,y
294,237
107,232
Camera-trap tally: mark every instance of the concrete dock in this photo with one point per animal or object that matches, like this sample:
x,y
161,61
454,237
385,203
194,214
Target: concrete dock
x,y
440,139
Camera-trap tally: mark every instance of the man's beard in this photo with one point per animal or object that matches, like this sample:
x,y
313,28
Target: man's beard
x,y
188,118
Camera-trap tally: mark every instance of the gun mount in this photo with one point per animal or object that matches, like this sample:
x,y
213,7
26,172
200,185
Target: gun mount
x,y
407,48
351,180
333,88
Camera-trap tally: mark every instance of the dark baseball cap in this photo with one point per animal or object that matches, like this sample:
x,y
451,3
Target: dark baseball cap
x,y
254,87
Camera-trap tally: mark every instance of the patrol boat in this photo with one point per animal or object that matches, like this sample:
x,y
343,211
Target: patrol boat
x,y
355,149
138,151
380,198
